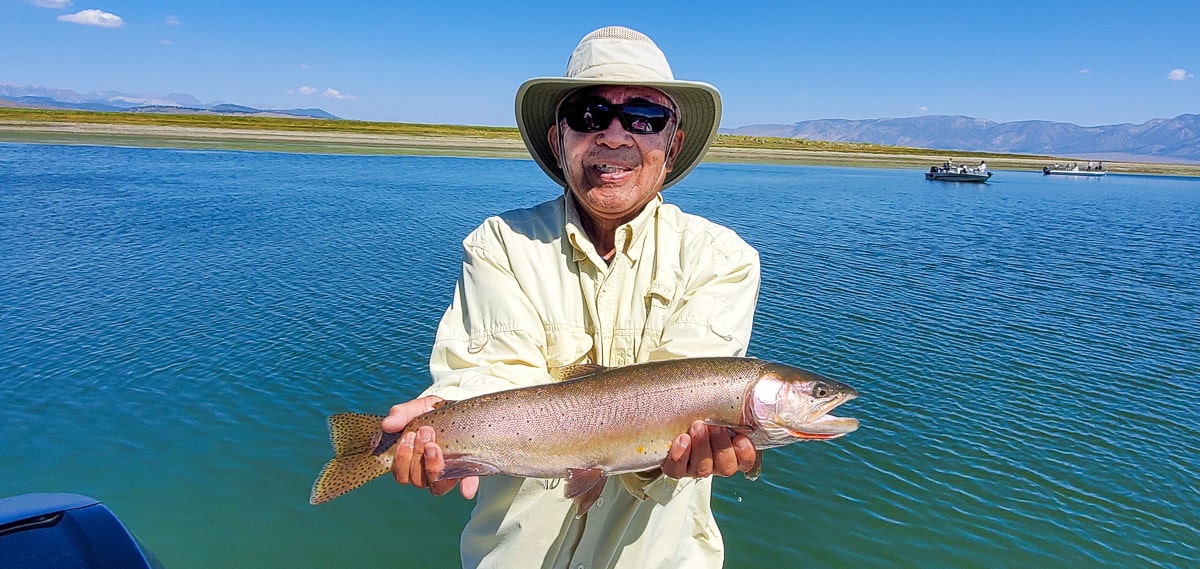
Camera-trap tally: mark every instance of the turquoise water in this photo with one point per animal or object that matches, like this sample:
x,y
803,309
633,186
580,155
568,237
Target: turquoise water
x,y
176,325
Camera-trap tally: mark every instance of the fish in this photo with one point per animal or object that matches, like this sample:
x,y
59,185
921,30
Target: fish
x,y
598,422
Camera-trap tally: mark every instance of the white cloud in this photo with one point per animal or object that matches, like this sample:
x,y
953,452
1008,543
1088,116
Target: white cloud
x,y
93,18
55,4
172,21
1084,72
334,94
327,93
1179,75
166,42
923,109
304,66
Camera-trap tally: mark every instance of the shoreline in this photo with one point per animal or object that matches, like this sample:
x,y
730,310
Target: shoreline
x,y
335,142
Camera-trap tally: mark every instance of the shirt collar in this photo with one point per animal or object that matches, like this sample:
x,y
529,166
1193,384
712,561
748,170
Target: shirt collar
x,y
627,233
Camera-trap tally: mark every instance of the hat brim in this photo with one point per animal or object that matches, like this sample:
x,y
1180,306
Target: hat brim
x,y
699,106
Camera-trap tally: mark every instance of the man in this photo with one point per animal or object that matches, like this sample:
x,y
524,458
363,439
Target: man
x,y
605,274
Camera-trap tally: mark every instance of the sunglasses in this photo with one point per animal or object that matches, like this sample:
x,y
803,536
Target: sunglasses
x,y
594,115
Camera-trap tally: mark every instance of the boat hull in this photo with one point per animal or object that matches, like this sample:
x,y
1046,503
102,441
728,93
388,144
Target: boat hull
x,y
1088,173
957,177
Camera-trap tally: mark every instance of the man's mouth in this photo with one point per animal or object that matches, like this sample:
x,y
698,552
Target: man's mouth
x,y
610,168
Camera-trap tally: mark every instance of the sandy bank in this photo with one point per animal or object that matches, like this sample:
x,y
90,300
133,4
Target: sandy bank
x,y
492,147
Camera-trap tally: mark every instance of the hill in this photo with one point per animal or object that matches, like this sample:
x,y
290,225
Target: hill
x,y
30,97
1165,140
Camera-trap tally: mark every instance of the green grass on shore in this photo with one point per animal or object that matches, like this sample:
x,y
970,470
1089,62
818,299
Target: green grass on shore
x,y
408,129
253,123
22,125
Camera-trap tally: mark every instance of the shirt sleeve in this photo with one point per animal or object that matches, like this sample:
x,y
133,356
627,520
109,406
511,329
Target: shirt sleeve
x,y
488,340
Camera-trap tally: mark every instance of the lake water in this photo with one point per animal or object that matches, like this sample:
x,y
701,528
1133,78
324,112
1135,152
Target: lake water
x,y
176,325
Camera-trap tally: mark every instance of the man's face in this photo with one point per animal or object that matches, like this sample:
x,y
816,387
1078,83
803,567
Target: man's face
x,y
614,173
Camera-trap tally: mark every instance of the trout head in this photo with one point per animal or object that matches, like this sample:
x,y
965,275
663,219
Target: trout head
x,y
787,404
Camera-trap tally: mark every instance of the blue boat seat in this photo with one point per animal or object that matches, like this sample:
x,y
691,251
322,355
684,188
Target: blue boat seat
x,y
66,531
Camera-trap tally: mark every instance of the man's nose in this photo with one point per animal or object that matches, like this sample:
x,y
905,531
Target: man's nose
x,y
615,136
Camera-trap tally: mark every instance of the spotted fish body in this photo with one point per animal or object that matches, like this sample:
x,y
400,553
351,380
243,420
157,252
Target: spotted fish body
x,y
599,422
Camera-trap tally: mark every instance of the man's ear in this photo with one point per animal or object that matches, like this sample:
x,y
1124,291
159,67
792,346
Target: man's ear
x,y
676,146
552,138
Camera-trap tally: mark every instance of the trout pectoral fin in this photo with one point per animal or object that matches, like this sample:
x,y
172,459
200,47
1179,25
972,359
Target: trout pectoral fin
x,y
585,486
462,468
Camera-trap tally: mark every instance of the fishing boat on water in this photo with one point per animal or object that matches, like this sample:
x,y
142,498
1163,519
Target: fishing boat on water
x,y
951,172
1073,169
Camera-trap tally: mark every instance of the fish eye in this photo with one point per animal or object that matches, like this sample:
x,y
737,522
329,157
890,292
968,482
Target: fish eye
x,y
820,390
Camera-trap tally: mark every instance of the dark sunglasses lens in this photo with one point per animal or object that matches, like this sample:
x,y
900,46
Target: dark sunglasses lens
x,y
587,117
594,116
645,118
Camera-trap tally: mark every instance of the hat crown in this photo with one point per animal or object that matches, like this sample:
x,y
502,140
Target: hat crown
x,y
617,53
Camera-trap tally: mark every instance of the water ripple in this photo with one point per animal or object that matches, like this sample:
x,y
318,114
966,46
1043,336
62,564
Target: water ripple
x,y
1026,354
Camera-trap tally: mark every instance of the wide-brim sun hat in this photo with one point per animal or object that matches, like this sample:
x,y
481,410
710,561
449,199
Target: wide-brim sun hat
x,y
619,56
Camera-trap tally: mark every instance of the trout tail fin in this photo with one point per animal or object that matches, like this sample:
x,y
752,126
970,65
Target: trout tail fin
x,y
361,453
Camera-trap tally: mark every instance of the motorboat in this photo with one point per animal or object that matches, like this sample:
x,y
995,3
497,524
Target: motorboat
x,y
1072,169
950,172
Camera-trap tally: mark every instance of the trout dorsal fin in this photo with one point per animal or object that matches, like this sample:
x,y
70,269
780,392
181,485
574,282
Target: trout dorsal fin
x,y
575,371
353,432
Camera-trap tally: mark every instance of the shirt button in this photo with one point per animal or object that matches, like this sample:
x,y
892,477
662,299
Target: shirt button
x,y
599,503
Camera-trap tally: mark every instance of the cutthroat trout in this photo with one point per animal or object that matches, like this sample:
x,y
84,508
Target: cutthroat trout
x,y
598,422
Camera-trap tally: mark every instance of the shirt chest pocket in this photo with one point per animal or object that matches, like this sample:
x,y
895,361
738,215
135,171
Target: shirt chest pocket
x,y
660,304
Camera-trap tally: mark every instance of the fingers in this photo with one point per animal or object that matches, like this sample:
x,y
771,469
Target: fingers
x,y
700,464
707,450
399,416
418,459
404,458
676,463
419,470
724,459
469,486
747,455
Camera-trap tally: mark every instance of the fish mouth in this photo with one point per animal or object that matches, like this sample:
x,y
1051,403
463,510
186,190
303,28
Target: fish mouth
x,y
824,427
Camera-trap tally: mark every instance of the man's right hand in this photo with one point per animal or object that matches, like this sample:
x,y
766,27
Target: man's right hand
x,y
418,459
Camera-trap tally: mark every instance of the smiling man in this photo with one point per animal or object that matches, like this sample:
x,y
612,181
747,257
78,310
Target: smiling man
x,y
608,274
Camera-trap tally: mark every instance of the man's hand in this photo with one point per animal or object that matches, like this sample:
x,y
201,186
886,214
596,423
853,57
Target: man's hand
x,y
418,459
706,450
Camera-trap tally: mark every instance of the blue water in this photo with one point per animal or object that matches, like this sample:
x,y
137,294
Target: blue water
x,y
176,325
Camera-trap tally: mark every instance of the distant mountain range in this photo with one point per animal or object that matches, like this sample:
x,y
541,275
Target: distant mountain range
x,y
1158,140
28,96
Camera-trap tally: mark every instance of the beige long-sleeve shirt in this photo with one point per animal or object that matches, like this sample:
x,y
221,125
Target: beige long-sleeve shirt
x,y
533,295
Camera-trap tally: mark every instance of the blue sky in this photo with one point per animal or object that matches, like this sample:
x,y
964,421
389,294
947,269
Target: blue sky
x,y
1089,63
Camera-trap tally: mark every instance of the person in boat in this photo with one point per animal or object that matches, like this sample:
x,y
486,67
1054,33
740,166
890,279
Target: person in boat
x,y
982,167
605,273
